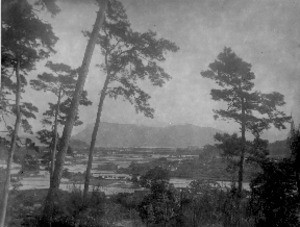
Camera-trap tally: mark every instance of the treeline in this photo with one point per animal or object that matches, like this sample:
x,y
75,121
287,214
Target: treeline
x,y
210,164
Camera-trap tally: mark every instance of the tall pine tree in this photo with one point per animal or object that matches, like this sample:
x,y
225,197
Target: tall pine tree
x,y
25,40
72,113
129,57
252,110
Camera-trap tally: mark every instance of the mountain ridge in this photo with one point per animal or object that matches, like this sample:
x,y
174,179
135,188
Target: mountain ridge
x,y
132,135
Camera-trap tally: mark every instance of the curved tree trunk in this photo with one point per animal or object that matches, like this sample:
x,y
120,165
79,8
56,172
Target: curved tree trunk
x,y
12,148
242,156
94,137
60,158
55,135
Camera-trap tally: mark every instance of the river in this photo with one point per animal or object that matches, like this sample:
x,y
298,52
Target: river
x,y
41,180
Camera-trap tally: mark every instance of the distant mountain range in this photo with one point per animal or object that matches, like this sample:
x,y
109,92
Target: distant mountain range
x,y
130,135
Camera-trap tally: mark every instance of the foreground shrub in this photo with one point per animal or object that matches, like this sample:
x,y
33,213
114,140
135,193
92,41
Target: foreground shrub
x,y
274,200
71,210
95,211
209,204
161,206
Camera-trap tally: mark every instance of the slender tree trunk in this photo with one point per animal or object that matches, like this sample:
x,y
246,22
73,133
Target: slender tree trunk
x,y
298,182
24,161
297,162
55,135
194,218
94,137
12,148
55,180
1,108
242,157
297,168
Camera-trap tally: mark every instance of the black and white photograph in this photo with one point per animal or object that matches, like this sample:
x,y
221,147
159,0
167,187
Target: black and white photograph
x,y
150,113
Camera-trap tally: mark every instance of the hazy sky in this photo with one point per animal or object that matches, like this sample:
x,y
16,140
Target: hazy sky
x,y
265,33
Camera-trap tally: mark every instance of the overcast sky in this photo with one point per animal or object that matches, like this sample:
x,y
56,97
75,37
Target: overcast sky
x,y
265,33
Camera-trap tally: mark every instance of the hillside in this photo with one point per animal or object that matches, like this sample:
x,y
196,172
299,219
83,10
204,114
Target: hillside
x,y
129,135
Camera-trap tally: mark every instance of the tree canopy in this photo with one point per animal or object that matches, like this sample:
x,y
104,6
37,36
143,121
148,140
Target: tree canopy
x,y
130,57
61,82
236,80
25,40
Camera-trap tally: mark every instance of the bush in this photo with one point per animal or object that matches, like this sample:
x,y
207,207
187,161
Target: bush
x,y
206,203
154,176
70,209
274,200
161,207
74,210
206,200
66,174
31,163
